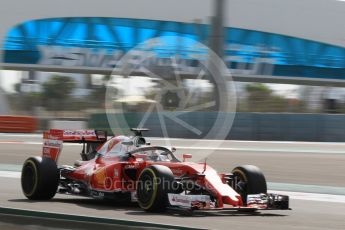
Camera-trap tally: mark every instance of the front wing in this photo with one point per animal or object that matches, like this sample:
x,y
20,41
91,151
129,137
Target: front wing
x,y
255,202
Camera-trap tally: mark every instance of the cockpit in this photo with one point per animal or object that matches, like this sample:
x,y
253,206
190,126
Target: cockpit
x,y
119,147
154,153
115,147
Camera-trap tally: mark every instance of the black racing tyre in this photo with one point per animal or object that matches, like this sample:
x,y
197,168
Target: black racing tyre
x,y
40,178
248,179
154,184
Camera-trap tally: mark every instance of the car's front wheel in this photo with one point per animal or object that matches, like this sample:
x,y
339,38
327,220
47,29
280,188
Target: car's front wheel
x,y
40,178
154,184
248,179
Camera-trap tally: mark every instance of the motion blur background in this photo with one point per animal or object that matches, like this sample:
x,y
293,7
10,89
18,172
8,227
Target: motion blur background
x,y
286,57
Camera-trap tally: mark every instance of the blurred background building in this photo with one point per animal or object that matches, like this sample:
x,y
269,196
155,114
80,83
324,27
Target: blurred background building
x,y
286,56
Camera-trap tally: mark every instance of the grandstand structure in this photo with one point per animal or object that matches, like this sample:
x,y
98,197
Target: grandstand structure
x,y
278,41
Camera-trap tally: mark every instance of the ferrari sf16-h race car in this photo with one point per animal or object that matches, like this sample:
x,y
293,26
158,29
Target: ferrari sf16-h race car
x,y
129,169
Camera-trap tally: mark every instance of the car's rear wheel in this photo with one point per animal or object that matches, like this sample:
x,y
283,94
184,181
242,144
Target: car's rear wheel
x,y
40,178
248,179
154,184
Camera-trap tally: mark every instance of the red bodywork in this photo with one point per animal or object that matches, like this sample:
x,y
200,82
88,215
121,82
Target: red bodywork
x,y
106,172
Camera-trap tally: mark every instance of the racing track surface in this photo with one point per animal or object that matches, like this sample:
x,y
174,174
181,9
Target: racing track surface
x,y
297,163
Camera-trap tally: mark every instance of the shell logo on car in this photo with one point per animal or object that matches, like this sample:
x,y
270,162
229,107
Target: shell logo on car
x,y
100,177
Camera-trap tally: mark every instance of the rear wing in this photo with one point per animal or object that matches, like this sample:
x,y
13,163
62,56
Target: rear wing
x,y
53,140
76,136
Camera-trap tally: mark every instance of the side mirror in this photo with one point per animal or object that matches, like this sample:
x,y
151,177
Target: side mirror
x,y
186,156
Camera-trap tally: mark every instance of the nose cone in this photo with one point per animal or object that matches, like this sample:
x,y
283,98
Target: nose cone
x,y
224,191
233,200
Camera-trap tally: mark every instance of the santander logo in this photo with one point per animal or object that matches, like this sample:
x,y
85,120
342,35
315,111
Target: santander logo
x,y
180,200
177,171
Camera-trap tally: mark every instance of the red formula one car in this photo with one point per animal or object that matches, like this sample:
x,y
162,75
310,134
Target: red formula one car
x,y
128,169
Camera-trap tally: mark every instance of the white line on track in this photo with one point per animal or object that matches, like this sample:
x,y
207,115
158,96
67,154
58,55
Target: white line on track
x,y
21,135
39,135
32,143
247,141
211,148
262,150
313,196
9,174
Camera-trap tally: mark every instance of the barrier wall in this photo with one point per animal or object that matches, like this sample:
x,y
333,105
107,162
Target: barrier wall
x,y
246,126
18,124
